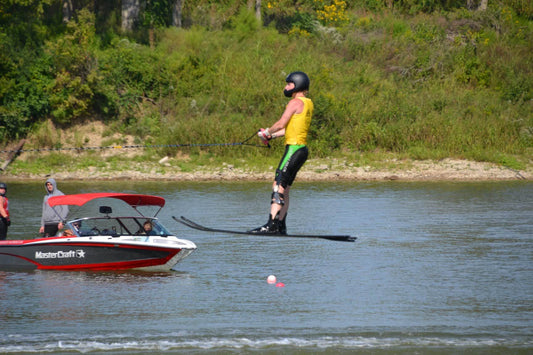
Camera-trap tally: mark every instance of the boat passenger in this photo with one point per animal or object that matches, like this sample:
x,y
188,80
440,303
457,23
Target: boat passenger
x,y
75,228
148,228
76,225
52,218
69,233
4,212
294,125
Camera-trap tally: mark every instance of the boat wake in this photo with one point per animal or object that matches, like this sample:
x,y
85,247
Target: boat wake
x,y
183,342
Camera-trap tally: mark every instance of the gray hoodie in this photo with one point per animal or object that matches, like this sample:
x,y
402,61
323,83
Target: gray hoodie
x,y
56,214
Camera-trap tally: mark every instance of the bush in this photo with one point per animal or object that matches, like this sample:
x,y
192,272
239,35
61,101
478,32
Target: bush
x,y
24,98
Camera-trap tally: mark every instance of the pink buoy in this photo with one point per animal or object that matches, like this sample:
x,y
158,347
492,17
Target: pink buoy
x,y
280,284
271,279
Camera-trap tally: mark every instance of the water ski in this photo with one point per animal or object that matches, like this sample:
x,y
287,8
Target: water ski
x,y
187,222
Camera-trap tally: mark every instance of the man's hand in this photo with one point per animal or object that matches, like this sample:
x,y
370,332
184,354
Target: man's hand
x,y
264,135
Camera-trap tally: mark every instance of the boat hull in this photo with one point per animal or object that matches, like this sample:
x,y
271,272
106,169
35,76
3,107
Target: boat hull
x,y
91,254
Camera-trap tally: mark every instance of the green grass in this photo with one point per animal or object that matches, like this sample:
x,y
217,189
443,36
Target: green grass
x,y
428,86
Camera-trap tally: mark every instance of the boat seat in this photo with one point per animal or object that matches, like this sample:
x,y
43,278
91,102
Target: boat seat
x,y
109,232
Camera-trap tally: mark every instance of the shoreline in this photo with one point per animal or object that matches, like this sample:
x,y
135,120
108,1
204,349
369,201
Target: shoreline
x,y
182,167
313,170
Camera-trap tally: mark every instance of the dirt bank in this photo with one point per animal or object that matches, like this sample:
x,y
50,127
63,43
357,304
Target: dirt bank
x,y
314,170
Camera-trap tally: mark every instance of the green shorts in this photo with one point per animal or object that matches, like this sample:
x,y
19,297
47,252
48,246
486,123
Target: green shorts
x,y
291,162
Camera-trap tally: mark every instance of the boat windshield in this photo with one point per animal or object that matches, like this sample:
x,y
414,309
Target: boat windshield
x,y
117,226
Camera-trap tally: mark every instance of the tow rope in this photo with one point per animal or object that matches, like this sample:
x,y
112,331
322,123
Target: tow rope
x,y
138,146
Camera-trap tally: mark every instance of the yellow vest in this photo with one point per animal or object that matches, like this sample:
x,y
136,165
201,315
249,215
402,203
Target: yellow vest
x,y
298,126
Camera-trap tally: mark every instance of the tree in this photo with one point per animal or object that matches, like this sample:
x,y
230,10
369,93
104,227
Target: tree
x,y
258,9
177,13
67,10
130,14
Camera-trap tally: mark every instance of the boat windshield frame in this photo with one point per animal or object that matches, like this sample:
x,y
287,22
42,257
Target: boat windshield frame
x,y
115,227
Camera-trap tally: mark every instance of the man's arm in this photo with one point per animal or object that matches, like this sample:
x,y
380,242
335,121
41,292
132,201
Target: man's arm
x,y
294,106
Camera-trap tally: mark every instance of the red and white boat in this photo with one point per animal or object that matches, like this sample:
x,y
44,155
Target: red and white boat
x,y
107,239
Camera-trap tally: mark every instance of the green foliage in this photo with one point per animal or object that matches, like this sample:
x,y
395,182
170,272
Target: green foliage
x,y
442,81
22,21
23,96
210,14
76,69
157,13
469,68
522,7
24,72
245,23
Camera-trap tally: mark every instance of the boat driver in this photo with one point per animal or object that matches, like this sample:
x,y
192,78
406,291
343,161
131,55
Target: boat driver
x,y
148,228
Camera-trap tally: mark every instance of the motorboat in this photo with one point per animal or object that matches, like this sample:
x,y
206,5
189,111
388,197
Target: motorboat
x,y
115,233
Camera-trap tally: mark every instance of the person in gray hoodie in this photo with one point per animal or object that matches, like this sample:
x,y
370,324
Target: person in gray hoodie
x,y
53,218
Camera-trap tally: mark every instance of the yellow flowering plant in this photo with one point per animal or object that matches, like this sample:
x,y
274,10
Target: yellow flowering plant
x,y
331,12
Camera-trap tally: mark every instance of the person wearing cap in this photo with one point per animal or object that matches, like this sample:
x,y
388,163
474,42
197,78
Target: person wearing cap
x,y
4,212
52,218
294,126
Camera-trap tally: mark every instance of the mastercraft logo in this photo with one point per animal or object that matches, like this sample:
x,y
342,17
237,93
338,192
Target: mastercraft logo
x,y
60,254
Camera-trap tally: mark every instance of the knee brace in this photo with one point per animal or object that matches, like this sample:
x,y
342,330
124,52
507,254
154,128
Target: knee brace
x,y
277,197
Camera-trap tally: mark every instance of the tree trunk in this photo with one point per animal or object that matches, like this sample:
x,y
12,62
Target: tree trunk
x,y
176,13
67,10
258,9
13,154
483,5
255,6
130,14
151,37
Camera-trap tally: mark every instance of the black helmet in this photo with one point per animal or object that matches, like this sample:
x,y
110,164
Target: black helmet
x,y
300,80
3,185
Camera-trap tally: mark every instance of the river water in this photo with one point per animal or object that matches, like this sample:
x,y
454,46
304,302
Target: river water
x,y
437,268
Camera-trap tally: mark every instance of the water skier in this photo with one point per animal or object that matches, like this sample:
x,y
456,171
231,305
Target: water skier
x,y
294,126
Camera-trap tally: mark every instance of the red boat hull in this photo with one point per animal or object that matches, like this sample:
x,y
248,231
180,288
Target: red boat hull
x,y
68,255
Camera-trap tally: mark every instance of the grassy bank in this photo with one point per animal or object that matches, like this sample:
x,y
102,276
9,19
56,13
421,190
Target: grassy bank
x,y
239,163
429,86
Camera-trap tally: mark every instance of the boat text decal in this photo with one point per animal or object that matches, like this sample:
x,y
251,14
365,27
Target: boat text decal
x,y
60,254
